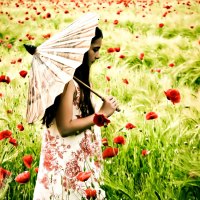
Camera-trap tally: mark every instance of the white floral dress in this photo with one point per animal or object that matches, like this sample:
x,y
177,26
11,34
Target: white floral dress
x,y
62,158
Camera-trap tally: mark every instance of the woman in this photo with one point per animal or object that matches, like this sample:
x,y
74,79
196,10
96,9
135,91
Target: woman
x,y
71,151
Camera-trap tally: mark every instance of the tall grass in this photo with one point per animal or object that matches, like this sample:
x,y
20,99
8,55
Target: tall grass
x,y
171,169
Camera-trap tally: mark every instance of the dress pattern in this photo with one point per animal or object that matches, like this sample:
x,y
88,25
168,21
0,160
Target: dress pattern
x,y
62,158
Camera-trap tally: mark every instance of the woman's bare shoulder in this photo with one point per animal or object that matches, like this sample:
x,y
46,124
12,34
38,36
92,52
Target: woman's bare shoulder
x,y
69,87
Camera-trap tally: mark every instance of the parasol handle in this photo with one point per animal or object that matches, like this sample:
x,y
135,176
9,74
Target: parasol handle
x,y
97,94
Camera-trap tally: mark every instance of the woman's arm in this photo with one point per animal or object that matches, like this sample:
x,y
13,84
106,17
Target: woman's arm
x,y
68,126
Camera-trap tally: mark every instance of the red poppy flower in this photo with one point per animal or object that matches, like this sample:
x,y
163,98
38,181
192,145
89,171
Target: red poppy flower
x,y
161,25
125,81
5,79
117,49
122,56
19,60
167,7
13,62
173,95
66,11
165,14
171,65
1,95
158,70
110,152
9,111
141,56
109,67
9,46
13,141
48,35
100,120
90,193
3,174
107,78
5,134
145,152
115,22
119,140
48,15
28,159
104,141
24,177
151,115
83,176
118,12
110,50
36,169
44,8
20,127
130,126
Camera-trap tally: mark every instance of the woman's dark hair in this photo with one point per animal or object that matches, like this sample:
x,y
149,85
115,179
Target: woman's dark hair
x,y
82,73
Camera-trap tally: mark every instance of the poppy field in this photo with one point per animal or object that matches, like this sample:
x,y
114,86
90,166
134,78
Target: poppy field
x,y
150,61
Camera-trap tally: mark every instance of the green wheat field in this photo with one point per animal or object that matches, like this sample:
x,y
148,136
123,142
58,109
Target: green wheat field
x,y
149,47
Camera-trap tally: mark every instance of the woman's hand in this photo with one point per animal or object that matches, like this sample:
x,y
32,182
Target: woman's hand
x,y
109,106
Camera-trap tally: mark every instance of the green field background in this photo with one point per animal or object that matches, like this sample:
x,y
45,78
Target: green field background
x,y
167,33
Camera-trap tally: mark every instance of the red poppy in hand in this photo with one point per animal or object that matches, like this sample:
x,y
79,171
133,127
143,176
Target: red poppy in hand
x,y
28,159
90,193
24,177
5,134
83,176
119,140
173,95
110,152
100,120
151,115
